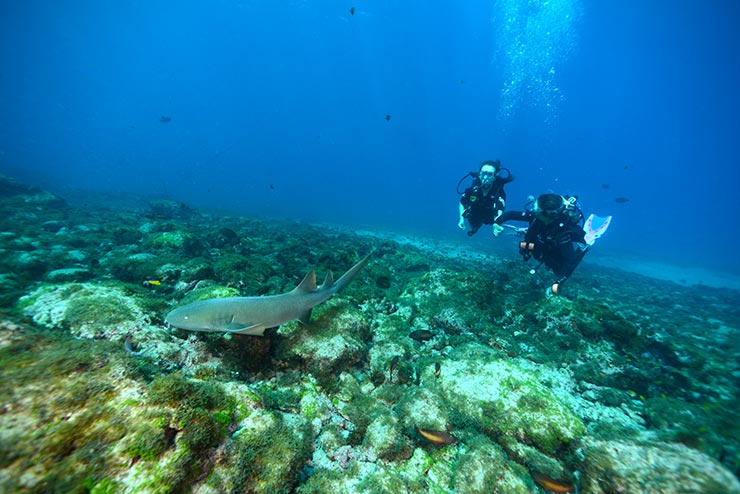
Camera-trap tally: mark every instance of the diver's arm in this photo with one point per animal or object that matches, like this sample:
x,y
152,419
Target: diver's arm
x,y
461,220
513,216
499,204
498,210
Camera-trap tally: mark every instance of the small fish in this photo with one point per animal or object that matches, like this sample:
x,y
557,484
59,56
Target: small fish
x,y
421,335
550,484
621,200
605,186
388,309
151,283
164,119
437,369
351,11
393,365
440,438
272,186
387,118
128,344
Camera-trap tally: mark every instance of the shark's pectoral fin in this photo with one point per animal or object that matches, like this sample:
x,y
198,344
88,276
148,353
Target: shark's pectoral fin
x,y
305,317
254,329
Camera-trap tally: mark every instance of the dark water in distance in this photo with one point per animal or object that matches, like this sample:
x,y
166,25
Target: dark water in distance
x,y
279,109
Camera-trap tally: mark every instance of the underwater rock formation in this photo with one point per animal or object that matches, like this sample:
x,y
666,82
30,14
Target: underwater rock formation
x,y
614,388
16,193
502,398
166,209
85,310
618,466
335,338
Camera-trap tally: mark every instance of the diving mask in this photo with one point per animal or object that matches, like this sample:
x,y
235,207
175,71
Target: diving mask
x,y
486,174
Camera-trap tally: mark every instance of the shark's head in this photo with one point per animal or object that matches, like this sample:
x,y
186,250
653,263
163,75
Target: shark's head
x,y
189,317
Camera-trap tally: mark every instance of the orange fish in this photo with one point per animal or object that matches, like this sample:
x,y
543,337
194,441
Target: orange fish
x,y
550,484
440,438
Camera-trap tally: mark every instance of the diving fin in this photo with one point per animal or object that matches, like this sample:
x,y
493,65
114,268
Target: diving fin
x,y
592,233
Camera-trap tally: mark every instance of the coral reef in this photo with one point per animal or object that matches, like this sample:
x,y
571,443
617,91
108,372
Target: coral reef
x,y
433,372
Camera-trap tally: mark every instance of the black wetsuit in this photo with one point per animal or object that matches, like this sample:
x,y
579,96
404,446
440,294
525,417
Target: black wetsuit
x,y
560,244
480,208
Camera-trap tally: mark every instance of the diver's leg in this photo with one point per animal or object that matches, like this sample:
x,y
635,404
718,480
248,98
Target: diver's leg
x,y
475,225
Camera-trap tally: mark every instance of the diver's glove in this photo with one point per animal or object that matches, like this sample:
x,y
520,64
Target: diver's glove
x,y
497,230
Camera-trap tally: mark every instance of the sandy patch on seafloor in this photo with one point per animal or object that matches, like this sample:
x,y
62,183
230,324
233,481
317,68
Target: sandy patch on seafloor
x,y
684,275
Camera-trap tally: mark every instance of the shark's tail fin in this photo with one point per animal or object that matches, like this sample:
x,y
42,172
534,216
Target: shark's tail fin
x,y
349,275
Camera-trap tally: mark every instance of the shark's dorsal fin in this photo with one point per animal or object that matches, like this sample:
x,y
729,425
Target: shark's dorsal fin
x,y
328,281
308,284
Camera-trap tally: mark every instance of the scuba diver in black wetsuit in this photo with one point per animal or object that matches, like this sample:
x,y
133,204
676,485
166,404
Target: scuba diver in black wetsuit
x,y
485,199
554,237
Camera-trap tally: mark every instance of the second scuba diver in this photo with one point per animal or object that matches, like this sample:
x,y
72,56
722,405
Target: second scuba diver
x,y
554,237
485,200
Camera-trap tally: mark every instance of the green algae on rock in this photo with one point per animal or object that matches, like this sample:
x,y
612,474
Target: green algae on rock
x,y
616,384
336,336
99,430
616,466
484,468
505,399
87,310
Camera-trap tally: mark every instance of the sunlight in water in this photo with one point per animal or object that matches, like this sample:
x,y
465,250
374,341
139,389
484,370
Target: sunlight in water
x,y
533,38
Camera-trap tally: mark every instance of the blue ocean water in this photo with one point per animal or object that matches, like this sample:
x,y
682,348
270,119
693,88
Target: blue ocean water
x,y
367,113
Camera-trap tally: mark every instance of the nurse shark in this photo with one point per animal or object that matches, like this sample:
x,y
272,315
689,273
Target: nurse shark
x,y
252,315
